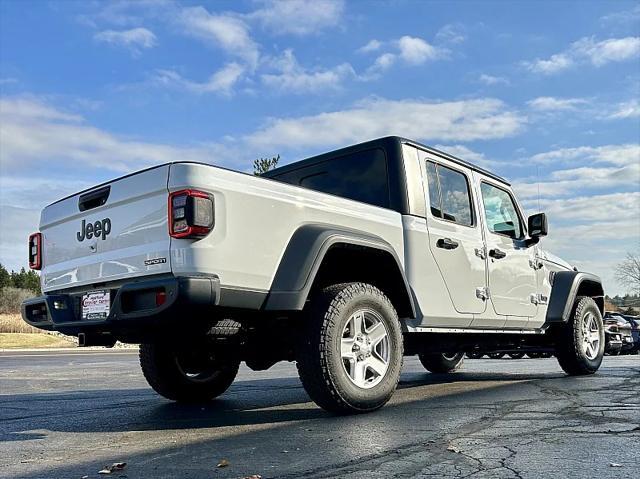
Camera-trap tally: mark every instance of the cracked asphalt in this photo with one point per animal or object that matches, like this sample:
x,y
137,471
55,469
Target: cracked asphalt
x,y
66,415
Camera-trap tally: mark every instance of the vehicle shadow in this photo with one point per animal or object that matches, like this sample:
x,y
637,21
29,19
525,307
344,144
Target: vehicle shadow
x,y
255,402
253,423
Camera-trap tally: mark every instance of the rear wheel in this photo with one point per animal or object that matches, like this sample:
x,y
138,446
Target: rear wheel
x,y
350,349
580,345
185,375
441,362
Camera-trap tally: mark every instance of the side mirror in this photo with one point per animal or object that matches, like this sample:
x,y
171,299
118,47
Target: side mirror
x,y
537,225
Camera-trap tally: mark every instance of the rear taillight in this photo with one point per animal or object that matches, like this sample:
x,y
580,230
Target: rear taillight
x,y
35,251
190,214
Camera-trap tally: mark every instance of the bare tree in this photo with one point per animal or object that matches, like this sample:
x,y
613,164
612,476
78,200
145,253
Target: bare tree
x,y
628,272
262,165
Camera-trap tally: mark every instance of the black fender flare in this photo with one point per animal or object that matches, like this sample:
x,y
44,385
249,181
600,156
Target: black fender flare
x,y
302,259
564,290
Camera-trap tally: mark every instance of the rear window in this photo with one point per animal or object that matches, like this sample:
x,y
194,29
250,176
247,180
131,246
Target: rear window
x,y
360,176
449,194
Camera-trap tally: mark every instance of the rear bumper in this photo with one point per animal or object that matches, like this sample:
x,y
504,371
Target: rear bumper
x,y
133,307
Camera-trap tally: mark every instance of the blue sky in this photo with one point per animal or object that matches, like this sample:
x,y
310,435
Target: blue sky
x,y
548,90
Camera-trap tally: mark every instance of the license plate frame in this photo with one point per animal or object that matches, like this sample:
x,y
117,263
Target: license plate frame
x,y
95,305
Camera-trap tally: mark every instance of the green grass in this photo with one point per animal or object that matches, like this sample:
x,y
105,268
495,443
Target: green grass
x,y
31,340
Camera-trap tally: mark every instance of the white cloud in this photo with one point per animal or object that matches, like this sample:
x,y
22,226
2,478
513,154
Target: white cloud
x,y
222,81
298,17
381,64
412,51
623,17
606,51
32,132
556,63
18,108
629,109
419,119
609,166
587,49
493,80
227,32
416,51
549,103
134,39
293,78
451,33
371,46
625,154
621,206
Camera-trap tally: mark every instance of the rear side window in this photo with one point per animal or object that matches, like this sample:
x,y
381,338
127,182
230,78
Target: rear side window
x,y
361,176
449,196
500,212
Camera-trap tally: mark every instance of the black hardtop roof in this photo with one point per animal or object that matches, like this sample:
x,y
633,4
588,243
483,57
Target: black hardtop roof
x,y
391,145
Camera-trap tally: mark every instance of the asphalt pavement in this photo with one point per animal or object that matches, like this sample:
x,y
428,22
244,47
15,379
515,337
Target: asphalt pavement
x,y
68,414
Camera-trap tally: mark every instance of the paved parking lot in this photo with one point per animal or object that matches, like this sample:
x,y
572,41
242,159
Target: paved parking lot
x,y
66,415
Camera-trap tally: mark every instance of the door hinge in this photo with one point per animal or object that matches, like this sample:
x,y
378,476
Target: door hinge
x,y
481,252
483,293
535,263
538,298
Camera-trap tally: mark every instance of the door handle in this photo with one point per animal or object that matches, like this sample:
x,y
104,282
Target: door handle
x,y
446,243
497,254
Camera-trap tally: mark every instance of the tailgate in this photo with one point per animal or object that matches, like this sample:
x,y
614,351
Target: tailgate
x,y
114,231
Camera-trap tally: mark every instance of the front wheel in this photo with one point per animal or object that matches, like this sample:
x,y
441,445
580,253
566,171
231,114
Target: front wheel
x,y
192,375
350,349
441,362
580,346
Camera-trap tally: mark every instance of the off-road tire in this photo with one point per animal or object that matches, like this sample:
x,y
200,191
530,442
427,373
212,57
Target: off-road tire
x,y
440,363
569,349
161,368
319,359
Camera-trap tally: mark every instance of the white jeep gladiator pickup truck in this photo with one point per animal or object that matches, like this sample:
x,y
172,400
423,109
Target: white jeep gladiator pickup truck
x,y
344,263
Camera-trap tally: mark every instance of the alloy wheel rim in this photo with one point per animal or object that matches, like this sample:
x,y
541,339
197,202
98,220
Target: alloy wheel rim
x,y
590,336
365,348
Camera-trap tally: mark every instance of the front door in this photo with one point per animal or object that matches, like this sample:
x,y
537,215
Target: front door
x,y
512,277
455,235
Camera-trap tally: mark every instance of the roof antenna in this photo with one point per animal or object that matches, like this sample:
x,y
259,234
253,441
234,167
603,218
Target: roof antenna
x,y
538,179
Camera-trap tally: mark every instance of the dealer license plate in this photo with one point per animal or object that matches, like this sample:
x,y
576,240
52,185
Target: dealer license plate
x,y
96,304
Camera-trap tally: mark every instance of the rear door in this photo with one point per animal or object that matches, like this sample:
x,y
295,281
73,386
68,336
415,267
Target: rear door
x,y
115,231
455,237
512,277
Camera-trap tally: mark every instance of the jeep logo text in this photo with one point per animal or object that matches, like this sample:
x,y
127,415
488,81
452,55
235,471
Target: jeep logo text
x,y
99,229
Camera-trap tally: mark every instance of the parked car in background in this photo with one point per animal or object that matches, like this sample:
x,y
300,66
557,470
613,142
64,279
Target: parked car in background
x,y
635,333
628,330
612,335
